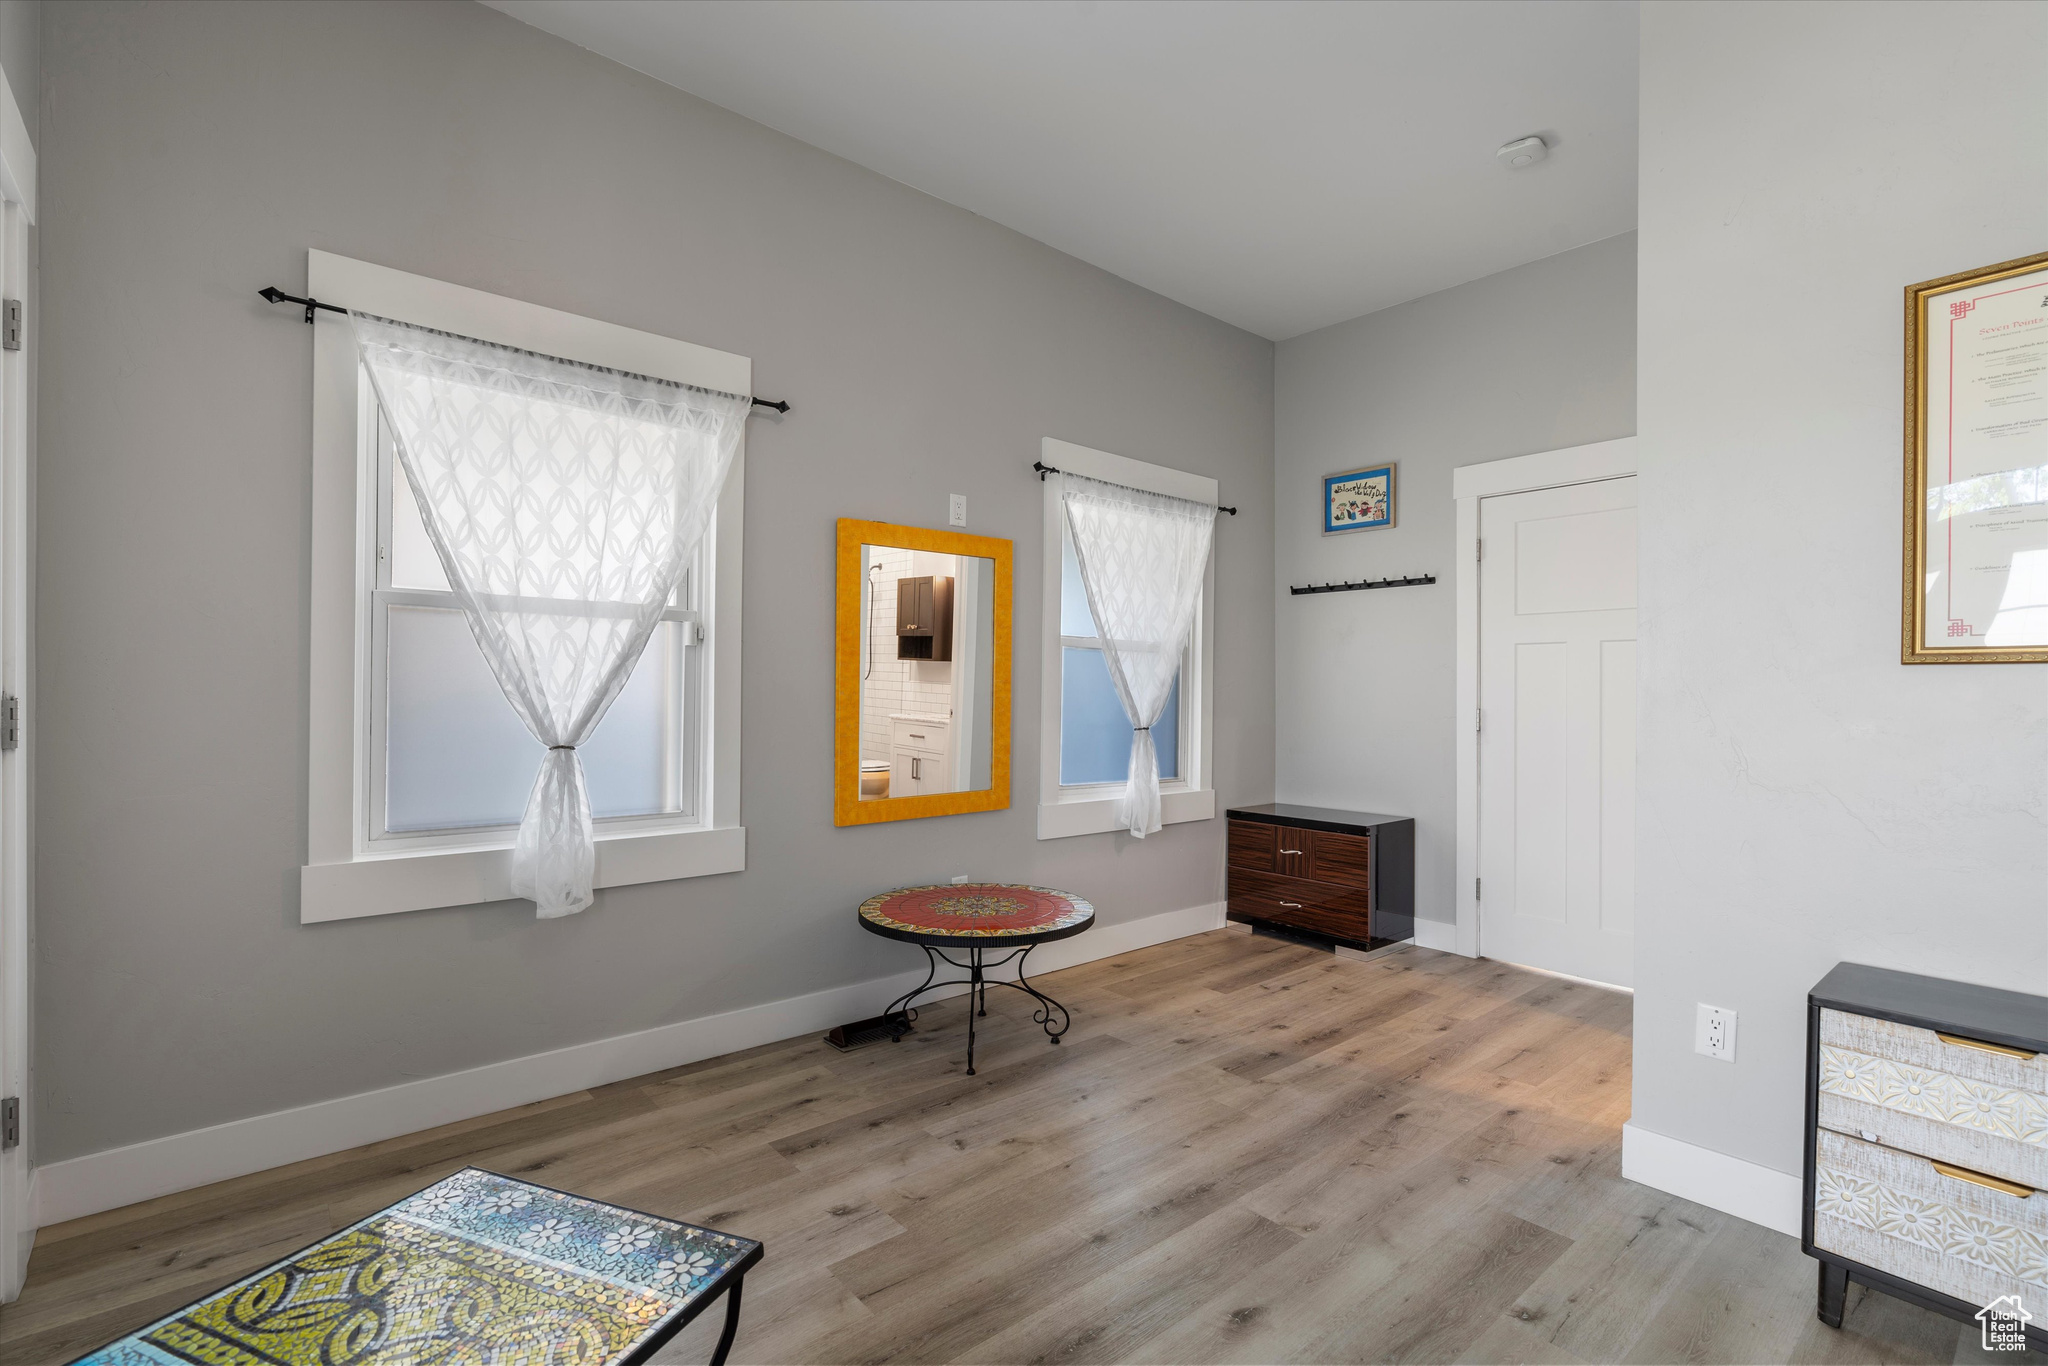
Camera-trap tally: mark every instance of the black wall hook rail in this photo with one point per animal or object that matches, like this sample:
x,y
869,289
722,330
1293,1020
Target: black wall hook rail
x,y
1409,582
272,294
1045,469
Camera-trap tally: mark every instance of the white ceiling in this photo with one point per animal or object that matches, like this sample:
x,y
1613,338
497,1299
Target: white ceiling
x,y
1280,165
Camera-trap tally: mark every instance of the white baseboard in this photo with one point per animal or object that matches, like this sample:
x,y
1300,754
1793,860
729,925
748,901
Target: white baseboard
x,y
1436,934
142,1171
1762,1195
24,1234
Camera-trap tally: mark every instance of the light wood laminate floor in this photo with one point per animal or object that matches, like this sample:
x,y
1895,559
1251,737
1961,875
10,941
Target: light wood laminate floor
x,y
1245,1151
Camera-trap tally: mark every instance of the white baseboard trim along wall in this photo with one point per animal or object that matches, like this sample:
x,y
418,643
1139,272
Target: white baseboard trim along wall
x,y
1762,1195
1436,934
122,1176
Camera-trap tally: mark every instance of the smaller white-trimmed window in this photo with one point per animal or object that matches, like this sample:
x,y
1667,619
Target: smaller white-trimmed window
x,y
420,769
1086,745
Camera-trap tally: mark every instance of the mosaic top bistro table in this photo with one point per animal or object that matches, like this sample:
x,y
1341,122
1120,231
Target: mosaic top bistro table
x,y
476,1268
977,918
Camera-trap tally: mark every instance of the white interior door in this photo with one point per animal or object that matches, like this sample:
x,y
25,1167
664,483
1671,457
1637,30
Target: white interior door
x,y
1557,728
17,1224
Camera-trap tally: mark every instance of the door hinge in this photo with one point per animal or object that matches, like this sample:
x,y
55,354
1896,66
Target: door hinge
x,y
10,1121
10,722
1479,718
10,324
1478,549
1475,889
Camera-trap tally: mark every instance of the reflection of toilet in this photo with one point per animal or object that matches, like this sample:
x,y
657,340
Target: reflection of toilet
x,y
874,778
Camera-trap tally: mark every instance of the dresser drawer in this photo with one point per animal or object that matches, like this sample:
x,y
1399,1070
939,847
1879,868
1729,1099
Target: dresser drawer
x,y
1905,1088
1254,845
1329,908
1925,1048
1339,858
1898,1213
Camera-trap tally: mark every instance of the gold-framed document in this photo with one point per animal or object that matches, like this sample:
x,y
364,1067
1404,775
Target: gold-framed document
x,y
1976,556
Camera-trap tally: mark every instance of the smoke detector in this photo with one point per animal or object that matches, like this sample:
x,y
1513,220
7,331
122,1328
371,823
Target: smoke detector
x,y
1522,152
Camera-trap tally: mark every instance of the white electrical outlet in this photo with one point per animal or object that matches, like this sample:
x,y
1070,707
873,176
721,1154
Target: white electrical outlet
x,y
956,510
960,881
1714,1033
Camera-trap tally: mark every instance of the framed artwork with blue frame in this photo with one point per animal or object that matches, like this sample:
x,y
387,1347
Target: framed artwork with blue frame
x,y
1358,500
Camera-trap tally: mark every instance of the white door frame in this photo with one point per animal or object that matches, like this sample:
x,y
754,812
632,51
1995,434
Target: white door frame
x,y
17,214
1469,484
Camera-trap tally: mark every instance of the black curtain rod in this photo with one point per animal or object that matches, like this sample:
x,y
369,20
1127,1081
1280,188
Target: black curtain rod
x,y
1045,469
277,296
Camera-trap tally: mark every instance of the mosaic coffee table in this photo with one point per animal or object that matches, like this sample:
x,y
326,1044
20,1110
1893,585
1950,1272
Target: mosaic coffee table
x,y
981,918
478,1268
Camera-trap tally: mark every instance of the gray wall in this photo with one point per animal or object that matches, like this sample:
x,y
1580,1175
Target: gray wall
x,y
194,153
1531,359
21,31
1802,797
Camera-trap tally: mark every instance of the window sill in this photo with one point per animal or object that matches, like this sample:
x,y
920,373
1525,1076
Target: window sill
x,y
394,883
1058,820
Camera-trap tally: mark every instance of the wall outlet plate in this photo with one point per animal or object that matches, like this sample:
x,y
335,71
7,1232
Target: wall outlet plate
x,y
1714,1032
956,509
960,881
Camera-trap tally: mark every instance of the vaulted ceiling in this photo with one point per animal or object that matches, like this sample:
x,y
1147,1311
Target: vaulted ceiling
x,y
1282,166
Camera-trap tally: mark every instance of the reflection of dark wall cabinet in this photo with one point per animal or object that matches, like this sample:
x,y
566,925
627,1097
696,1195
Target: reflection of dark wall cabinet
x,y
924,617
1344,876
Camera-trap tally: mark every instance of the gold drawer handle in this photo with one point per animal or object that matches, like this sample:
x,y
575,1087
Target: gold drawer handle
x,y
1290,851
1959,1041
1997,1183
1292,905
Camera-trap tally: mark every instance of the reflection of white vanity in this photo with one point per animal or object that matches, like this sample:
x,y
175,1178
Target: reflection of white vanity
x,y
919,750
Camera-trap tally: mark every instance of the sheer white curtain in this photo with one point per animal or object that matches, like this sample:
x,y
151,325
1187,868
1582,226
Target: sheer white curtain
x,y
563,501
1142,558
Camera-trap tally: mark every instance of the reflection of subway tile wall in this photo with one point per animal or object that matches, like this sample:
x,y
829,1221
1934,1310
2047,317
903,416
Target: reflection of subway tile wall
x,y
889,687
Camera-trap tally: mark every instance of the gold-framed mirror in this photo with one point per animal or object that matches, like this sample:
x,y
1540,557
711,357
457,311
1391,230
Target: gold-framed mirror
x,y
921,673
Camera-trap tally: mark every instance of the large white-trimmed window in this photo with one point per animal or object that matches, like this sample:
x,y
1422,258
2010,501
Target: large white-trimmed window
x,y
450,763
1085,750
419,767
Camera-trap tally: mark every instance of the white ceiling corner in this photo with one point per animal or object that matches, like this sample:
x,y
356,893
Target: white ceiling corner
x,y
1277,164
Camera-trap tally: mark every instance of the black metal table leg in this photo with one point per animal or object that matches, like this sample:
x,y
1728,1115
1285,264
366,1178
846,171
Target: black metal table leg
x,y
732,1323
901,1005
975,992
1046,1004
1049,1015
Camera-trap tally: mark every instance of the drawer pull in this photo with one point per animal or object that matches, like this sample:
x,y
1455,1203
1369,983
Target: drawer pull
x,y
1997,1183
1292,905
1959,1041
1290,851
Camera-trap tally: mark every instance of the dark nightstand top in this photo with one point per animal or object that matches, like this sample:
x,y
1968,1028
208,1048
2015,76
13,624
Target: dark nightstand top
x,y
1311,817
1992,1014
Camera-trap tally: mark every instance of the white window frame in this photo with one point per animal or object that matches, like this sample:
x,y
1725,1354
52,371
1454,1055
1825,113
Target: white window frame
x,y
352,868
1090,809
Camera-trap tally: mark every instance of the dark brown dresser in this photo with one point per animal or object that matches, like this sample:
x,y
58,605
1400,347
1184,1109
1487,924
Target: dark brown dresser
x,y
1347,877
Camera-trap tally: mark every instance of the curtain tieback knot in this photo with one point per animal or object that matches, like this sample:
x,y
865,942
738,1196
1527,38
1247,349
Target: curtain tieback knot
x,y
552,748
1138,728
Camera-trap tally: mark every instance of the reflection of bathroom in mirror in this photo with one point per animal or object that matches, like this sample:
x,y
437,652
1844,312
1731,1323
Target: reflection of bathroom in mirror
x,y
928,657
926,672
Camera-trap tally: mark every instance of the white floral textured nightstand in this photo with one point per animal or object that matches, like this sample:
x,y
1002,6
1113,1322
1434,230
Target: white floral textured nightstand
x,y
1927,1142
